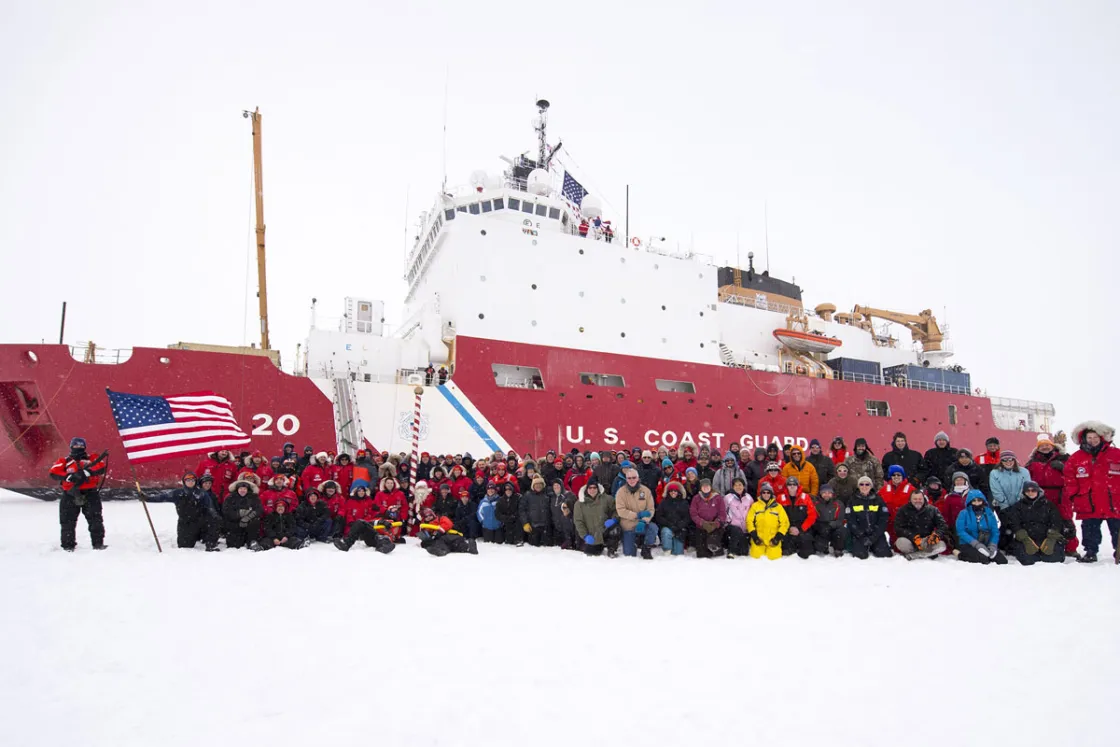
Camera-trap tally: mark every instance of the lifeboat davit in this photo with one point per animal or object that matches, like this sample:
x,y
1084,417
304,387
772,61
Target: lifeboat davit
x,y
807,342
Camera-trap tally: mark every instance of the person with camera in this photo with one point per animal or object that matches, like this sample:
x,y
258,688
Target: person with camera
x,y
80,474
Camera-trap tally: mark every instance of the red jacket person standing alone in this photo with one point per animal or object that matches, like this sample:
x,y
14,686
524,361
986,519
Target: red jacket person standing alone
x,y
80,474
1092,475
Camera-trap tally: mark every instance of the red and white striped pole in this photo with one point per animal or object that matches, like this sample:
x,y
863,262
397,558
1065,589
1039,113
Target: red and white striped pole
x,y
415,461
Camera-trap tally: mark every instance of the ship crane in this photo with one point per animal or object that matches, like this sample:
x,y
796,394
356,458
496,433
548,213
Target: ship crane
x,y
923,327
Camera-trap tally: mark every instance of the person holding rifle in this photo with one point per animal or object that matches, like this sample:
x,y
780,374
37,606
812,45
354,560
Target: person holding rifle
x,y
80,474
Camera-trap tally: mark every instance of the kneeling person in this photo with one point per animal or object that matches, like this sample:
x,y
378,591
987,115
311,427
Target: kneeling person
x,y
635,505
1036,528
242,513
280,529
313,518
921,528
829,530
767,524
596,520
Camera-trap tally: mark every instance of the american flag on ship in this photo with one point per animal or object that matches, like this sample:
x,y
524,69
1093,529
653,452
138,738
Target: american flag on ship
x,y
154,428
573,192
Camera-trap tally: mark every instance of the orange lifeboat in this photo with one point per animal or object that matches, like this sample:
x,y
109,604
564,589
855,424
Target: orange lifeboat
x,y
806,342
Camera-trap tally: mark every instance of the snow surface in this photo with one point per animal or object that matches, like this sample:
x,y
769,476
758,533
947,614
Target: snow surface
x,y
537,647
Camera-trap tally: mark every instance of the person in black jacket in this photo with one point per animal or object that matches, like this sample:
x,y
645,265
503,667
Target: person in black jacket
x,y
674,518
242,512
280,530
1035,525
649,472
977,477
562,504
829,530
313,519
905,457
755,470
535,514
822,463
198,513
867,517
445,503
937,460
508,511
438,537
921,529
465,517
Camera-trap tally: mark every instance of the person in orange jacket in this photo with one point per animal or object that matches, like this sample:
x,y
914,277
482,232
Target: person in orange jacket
x,y
80,474
801,468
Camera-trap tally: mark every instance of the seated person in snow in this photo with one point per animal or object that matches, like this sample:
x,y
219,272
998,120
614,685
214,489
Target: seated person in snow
x,y
920,527
674,518
738,502
709,515
802,515
242,513
596,520
439,537
978,532
280,530
313,518
465,517
829,531
867,518
1035,525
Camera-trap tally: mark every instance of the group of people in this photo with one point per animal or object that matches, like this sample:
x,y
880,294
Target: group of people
x,y
771,502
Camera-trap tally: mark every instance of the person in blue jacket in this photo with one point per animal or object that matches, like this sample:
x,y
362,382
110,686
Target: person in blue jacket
x,y
491,527
978,532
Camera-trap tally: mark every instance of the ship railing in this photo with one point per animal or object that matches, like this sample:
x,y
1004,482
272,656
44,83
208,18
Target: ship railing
x,y
1026,405
88,352
905,383
781,308
860,378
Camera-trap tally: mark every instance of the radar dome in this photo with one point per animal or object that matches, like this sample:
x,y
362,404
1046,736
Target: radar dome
x,y
591,207
539,182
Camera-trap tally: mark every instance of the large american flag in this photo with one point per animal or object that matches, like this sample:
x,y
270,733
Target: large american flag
x,y
154,428
573,190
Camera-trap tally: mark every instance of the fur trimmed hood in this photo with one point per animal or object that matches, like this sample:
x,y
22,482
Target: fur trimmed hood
x,y
1106,432
253,490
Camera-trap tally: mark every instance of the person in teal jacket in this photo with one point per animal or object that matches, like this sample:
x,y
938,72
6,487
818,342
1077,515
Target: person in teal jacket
x,y
978,532
1006,482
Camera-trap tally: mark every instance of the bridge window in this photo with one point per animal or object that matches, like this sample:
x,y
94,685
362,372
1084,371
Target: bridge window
x,y
449,214
877,408
526,207
517,377
514,203
668,385
499,203
598,379
474,208
542,210
462,208
486,207
554,213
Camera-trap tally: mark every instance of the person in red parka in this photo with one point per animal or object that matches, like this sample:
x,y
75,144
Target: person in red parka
x,y
359,506
1092,475
275,491
391,506
773,478
342,472
260,467
222,468
318,471
1046,467
802,513
838,452
459,480
896,492
503,476
331,494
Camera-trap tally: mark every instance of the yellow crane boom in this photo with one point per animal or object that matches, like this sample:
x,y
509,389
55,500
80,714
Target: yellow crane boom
x,y
923,327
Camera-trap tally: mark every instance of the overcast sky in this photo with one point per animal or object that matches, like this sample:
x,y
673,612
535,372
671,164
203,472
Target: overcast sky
x,y
959,156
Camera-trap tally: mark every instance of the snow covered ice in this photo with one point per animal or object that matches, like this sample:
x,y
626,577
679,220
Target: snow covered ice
x,y
537,646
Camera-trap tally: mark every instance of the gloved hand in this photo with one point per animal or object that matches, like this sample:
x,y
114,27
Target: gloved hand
x,y
527,527
993,550
610,523
1058,464
777,539
980,548
588,539
933,539
644,514
244,513
708,526
640,528
866,541
919,543
755,538
1053,537
1029,545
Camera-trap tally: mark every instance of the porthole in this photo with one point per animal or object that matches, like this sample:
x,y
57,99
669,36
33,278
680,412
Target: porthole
x,y
623,334
581,330
691,401
533,323
483,232
32,357
655,267
590,396
736,416
701,313
581,294
581,251
561,395
701,344
165,361
622,260
533,286
663,307
481,316
482,278
619,395
623,300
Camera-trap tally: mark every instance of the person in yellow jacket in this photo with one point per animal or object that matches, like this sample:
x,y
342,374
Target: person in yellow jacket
x,y
767,524
801,468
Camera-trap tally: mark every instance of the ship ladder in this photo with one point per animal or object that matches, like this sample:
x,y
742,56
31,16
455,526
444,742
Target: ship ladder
x,y
727,358
347,418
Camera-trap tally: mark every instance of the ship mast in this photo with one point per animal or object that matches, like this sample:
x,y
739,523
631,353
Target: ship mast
x,y
258,189
539,126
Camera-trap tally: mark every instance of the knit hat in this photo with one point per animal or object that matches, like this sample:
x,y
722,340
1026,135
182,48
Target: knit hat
x,y
759,451
865,480
537,481
964,452
773,466
705,481
666,462
940,436
813,443
896,469
729,458
189,476
445,486
647,454
692,470
933,480
992,440
1007,454
491,485
838,466
826,488
860,442
595,457
1044,438
765,488
962,475
626,464
1031,484
206,478
792,480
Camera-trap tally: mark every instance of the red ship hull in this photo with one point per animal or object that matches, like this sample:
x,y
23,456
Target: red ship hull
x,y
46,400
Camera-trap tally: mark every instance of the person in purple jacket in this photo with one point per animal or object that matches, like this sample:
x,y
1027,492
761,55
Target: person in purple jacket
x,y
709,516
738,502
